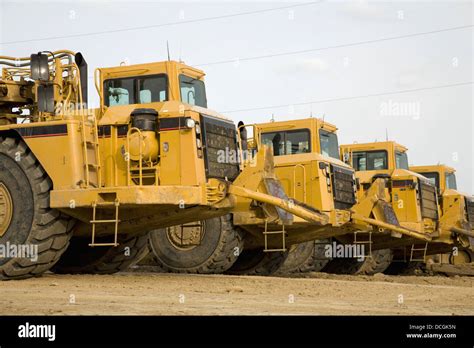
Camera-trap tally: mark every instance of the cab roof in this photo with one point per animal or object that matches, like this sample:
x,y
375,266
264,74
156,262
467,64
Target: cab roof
x,y
433,168
298,124
150,68
376,145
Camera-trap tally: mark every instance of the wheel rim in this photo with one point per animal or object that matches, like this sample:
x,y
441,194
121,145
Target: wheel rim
x,y
187,236
6,209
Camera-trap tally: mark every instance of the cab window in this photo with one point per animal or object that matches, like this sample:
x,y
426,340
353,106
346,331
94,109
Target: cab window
x,y
288,142
369,160
329,144
192,91
433,177
451,181
136,90
401,160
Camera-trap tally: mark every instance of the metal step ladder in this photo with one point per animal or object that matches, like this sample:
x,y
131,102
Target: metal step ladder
x,y
266,233
415,250
90,140
138,175
95,221
364,242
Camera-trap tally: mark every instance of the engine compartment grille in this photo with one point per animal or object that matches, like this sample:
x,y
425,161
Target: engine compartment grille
x,y
343,184
428,200
470,210
219,139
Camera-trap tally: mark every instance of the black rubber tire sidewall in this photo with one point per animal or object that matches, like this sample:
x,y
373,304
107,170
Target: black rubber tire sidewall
x,y
18,185
177,259
81,258
258,262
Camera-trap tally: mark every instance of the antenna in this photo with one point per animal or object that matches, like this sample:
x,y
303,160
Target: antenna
x,y
180,47
386,134
273,118
168,49
311,111
322,123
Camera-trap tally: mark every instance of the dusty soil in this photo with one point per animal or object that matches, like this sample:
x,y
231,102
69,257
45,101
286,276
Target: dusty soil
x,y
150,293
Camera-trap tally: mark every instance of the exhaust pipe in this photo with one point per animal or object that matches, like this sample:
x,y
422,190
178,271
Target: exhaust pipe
x,y
82,65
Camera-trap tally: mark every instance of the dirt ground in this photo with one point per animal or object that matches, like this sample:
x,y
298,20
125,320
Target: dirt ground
x,y
149,293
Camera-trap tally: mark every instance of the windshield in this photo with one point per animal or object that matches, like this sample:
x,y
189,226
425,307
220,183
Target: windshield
x,y
370,160
193,91
401,160
451,181
136,90
329,144
287,142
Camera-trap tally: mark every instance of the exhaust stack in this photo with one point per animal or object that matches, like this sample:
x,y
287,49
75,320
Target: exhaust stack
x,y
82,65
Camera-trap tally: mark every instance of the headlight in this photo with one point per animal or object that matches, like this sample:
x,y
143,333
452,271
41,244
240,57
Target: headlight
x,y
198,143
198,129
190,123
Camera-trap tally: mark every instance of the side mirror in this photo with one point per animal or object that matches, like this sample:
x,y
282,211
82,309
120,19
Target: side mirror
x,y
39,67
243,135
346,157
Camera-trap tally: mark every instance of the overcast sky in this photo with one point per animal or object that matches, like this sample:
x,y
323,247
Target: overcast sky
x,y
355,53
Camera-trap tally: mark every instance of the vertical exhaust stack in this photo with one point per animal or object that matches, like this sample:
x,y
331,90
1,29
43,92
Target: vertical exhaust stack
x,y
82,65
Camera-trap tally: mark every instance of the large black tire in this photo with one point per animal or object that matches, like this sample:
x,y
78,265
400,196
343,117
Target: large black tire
x,y
320,259
32,222
377,263
80,258
300,259
258,262
305,257
219,246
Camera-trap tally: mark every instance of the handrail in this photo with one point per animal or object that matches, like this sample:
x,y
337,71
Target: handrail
x,y
84,148
97,76
97,151
55,53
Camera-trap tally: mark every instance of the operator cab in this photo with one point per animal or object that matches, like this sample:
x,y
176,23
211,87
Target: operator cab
x,y
442,176
384,156
153,88
307,162
300,137
125,88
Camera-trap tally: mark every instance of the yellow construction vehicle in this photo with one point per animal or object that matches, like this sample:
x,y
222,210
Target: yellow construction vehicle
x,y
457,211
308,166
414,200
98,180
